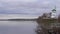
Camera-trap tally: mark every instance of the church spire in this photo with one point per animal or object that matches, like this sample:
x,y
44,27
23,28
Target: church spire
x,y
54,10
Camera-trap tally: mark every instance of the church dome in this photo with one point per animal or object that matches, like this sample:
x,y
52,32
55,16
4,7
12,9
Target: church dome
x,y
54,10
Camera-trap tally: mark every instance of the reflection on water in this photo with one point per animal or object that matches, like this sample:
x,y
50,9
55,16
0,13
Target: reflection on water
x,y
41,30
17,27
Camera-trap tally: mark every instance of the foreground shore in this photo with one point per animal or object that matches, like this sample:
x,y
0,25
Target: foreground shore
x,y
49,25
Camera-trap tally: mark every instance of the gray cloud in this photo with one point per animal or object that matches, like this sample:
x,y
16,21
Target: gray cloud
x,y
33,7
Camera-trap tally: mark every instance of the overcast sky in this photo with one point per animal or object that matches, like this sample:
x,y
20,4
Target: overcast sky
x,y
31,7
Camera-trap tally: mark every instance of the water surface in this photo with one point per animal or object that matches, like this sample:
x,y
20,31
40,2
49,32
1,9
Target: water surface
x,y
17,27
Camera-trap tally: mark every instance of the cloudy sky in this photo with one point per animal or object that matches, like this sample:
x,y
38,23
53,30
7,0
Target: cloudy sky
x,y
31,7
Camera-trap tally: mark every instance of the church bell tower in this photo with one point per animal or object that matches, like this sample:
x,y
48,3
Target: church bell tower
x,y
53,13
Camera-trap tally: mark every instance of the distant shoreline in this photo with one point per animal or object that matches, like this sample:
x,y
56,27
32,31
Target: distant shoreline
x,y
18,19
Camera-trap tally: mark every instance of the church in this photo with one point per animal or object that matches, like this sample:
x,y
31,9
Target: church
x,y
52,14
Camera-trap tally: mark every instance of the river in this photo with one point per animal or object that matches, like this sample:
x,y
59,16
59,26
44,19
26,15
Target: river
x,y
18,27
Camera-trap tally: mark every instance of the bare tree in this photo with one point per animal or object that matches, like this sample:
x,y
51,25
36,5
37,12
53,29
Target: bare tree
x,y
59,18
44,15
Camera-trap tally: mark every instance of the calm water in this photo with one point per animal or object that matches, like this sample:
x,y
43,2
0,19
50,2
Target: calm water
x,y
17,27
